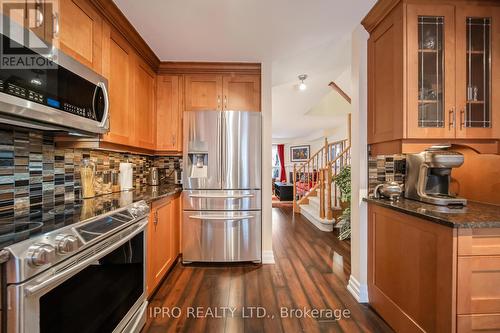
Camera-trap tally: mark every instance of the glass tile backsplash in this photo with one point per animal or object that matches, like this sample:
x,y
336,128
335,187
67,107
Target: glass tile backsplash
x,y
33,172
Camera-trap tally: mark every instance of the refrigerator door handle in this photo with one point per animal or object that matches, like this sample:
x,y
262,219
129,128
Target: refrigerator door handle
x,y
228,196
220,218
220,141
223,148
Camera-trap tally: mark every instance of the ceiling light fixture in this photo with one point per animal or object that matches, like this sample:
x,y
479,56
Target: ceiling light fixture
x,y
302,85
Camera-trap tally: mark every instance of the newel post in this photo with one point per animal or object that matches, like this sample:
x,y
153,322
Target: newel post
x,y
322,194
329,211
295,188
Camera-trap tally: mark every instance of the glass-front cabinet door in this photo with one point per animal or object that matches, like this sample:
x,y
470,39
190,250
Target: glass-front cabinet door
x,y
431,73
478,72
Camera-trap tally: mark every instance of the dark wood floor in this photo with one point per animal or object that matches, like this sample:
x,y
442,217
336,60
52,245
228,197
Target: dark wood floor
x,y
311,271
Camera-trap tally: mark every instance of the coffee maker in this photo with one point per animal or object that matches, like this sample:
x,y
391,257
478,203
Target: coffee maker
x,y
428,176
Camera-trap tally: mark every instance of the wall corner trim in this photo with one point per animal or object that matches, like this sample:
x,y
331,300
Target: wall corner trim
x,y
268,257
359,291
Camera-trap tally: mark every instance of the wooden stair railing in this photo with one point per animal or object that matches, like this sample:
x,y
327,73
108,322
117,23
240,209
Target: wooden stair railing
x,y
316,173
325,164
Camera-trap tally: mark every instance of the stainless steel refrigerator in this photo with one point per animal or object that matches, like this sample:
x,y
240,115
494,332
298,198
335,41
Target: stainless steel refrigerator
x,y
222,186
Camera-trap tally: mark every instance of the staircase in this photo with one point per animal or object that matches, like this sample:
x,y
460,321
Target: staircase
x,y
316,197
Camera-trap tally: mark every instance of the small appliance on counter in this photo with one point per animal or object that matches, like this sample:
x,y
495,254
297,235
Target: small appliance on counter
x,y
126,176
178,174
390,190
156,176
428,176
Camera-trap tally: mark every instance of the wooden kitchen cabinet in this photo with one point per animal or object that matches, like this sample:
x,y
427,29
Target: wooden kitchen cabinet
x,y
432,68
241,92
38,16
169,113
80,32
120,72
145,114
423,276
237,92
203,92
163,239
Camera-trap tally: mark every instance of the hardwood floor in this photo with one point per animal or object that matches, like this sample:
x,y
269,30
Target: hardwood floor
x,y
311,271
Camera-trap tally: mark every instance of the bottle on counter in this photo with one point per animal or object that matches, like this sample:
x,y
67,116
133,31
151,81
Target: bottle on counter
x,y
87,176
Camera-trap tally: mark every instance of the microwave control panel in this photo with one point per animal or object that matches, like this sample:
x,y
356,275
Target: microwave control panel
x,y
30,95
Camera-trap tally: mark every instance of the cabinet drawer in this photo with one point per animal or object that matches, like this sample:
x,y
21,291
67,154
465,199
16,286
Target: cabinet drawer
x,y
478,323
479,242
478,285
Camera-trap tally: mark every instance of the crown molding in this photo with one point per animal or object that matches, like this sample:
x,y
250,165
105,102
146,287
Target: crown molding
x,y
117,19
191,67
378,12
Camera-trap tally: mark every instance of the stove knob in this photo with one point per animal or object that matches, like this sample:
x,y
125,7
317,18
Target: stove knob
x,y
41,254
66,243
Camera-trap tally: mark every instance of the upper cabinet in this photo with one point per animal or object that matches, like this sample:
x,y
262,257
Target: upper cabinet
x,y
432,68
203,92
169,113
79,32
431,71
211,92
478,71
241,92
119,69
145,115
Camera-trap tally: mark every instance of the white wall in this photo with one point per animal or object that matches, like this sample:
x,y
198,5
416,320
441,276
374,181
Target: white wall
x,y
359,169
267,222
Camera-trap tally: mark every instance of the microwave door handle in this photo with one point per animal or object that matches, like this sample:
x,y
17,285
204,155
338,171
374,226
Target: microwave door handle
x,y
106,104
81,265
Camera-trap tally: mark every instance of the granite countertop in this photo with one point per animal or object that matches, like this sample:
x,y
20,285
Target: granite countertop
x,y
56,215
474,215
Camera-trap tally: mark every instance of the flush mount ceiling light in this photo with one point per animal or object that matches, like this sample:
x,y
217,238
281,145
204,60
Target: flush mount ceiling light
x,y
302,85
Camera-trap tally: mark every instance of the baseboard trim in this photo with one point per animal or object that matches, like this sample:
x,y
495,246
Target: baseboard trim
x,y
359,291
268,257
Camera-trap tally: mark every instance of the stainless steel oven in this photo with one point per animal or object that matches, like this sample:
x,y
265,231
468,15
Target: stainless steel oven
x,y
99,289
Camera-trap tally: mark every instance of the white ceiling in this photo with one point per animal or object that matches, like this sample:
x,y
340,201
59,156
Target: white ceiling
x,y
297,36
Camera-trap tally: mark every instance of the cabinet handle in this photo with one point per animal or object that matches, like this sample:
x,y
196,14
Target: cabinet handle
x,y
155,220
451,122
218,102
56,25
225,102
462,118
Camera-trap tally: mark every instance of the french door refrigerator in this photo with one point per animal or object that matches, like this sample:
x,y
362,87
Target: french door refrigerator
x,y
222,186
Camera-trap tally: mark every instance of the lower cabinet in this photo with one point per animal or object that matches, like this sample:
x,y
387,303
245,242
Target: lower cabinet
x,y
423,276
163,240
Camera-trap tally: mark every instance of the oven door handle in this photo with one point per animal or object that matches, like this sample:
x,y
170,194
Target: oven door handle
x,y
33,289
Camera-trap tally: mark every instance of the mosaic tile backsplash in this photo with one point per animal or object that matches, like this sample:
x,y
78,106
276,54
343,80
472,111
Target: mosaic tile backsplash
x,y
385,168
34,173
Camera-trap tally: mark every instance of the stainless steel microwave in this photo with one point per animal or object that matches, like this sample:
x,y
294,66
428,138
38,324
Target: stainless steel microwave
x,y
64,95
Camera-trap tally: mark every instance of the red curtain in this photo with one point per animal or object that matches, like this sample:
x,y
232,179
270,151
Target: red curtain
x,y
281,156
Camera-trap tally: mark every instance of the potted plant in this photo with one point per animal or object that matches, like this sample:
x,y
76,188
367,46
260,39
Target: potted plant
x,y
343,182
